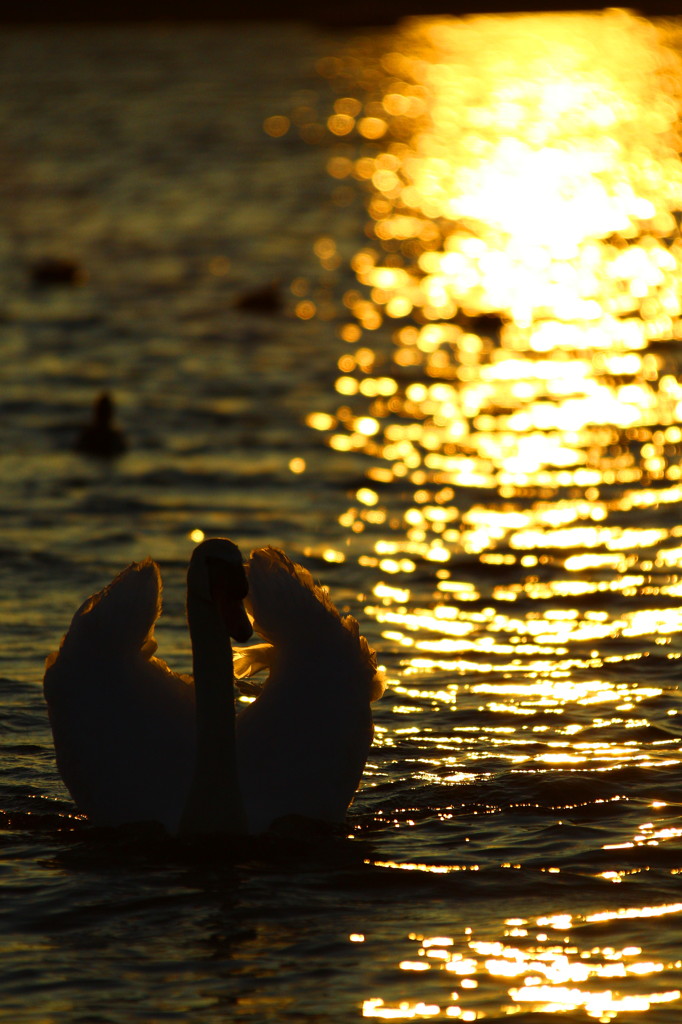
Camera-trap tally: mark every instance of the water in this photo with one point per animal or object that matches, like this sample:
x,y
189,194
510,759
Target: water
x,y
461,410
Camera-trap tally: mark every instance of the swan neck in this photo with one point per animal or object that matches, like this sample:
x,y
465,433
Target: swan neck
x,y
214,804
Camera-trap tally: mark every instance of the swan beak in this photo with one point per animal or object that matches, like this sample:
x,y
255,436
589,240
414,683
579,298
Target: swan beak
x,y
235,618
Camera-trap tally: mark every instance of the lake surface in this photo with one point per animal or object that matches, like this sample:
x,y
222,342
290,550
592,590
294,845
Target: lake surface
x,y
407,305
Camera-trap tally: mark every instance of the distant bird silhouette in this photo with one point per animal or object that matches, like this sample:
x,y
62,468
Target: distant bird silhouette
x,y
100,437
266,298
53,270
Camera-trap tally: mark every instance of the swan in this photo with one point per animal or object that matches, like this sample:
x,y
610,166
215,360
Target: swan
x,y
137,742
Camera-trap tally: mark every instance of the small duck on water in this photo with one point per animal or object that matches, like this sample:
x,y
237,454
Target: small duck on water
x,y
100,437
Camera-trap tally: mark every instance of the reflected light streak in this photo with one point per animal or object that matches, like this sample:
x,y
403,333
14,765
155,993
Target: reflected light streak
x,y
521,186
508,393
557,974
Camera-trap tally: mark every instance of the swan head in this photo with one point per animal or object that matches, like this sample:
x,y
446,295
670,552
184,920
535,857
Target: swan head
x,y
216,576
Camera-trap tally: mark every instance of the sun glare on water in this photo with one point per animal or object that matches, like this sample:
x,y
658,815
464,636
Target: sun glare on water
x,y
511,366
546,966
509,380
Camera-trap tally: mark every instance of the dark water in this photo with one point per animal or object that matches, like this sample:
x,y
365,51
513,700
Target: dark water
x,y
457,398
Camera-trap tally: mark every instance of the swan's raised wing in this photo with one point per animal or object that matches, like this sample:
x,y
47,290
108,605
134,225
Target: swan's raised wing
x,y
121,616
303,743
293,612
122,722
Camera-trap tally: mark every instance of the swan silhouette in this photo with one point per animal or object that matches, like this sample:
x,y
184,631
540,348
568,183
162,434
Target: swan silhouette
x,y
136,742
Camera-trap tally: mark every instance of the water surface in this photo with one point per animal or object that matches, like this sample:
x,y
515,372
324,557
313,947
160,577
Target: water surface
x,y
460,408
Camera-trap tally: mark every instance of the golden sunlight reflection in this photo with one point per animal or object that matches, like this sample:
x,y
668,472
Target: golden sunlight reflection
x,y
509,369
507,402
523,181
541,965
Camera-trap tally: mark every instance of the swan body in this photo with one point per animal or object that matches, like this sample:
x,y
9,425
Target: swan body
x,y
137,742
